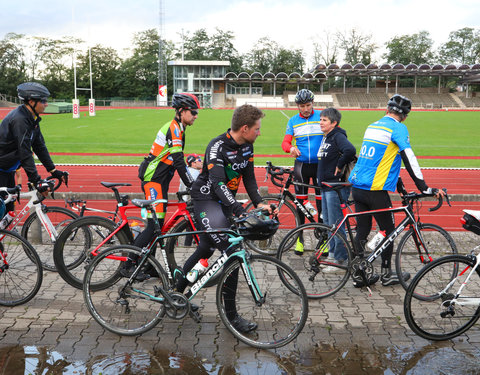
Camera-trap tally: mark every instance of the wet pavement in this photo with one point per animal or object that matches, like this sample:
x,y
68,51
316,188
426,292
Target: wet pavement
x,y
348,333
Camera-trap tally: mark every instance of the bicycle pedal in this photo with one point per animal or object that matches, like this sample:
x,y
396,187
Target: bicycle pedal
x,y
196,316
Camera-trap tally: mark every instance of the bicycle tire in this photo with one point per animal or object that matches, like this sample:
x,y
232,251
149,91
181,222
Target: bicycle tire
x,y
425,309
71,253
127,314
318,280
35,233
437,241
270,246
280,317
22,279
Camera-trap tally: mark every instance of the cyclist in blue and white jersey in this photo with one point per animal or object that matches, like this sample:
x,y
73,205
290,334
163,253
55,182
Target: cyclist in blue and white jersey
x,y
385,145
304,128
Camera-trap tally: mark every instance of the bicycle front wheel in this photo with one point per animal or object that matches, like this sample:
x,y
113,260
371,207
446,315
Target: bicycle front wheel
x,y
35,232
22,273
124,308
72,251
288,219
427,306
321,276
279,312
411,258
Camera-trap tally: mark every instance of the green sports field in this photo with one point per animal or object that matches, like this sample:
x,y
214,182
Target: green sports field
x,y
133,131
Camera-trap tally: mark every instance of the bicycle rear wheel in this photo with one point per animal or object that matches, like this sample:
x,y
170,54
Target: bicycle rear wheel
x,y
320,276
280,317
288,219
34,232
123,308
410,258
22,273
72,251
427,306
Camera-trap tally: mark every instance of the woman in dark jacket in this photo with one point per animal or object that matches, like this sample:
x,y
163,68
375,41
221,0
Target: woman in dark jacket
x,y
335,152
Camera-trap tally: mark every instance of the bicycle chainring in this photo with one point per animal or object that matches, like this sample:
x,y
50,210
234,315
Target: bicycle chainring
x,y
359,265
180,307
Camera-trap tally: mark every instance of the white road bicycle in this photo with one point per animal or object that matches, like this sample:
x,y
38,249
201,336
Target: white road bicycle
x,y
42,224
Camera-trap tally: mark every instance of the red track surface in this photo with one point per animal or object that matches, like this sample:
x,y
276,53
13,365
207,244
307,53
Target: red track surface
x,y
87,179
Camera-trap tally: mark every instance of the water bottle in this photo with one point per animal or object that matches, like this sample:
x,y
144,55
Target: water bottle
x,y
7,219
373,243
310,208
196,271
135,228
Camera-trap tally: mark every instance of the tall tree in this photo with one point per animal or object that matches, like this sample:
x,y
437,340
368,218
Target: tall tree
x,y
12,64
221,48
463,46
357,47
414,48
325,49
105,71
139,72
196,47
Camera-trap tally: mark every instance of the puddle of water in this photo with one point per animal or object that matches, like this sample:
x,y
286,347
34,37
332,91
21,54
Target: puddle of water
x,y
428,360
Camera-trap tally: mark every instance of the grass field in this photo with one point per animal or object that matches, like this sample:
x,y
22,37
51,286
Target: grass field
x,y
133,131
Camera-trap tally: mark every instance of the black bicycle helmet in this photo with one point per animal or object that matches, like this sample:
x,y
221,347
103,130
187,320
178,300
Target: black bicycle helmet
x,y
304,96
258,227
185,101
400,104
32,90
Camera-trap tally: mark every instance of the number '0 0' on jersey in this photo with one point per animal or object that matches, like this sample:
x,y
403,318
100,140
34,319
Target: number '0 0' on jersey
x,y
379,162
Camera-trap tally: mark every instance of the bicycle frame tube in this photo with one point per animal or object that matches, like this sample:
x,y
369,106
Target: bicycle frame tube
x,y
408,220
299,205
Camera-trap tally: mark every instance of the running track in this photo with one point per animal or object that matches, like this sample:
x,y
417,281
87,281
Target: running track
x,y
459,182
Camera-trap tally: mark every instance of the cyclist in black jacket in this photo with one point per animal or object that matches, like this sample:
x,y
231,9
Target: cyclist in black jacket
x,y
228,159
20,135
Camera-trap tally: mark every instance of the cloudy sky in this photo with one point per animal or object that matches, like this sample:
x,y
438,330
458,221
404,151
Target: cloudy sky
x,y
291,23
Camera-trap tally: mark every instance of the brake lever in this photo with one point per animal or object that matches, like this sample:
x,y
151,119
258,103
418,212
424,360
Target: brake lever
x,y
447,198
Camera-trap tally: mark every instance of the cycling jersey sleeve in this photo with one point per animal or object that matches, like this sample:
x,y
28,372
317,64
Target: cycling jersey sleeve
x,y
40,149
250,183
23,135
287,143
217,176
181,167
400,137
413,169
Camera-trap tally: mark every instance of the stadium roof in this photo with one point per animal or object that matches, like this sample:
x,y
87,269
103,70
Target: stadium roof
x,y
459,70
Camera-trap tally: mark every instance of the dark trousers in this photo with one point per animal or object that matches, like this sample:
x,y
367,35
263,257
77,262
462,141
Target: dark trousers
x,y
366,200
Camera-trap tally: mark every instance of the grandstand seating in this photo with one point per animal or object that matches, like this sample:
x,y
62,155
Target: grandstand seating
x,y
471,102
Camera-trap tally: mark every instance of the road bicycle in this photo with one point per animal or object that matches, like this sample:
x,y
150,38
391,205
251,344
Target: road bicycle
x,y
287,205
21,272
443,299
80,207
322,277
84,238
132,307
43,226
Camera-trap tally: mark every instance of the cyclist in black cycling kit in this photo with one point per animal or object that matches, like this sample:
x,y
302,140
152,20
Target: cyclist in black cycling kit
x,y
20,135
228,159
